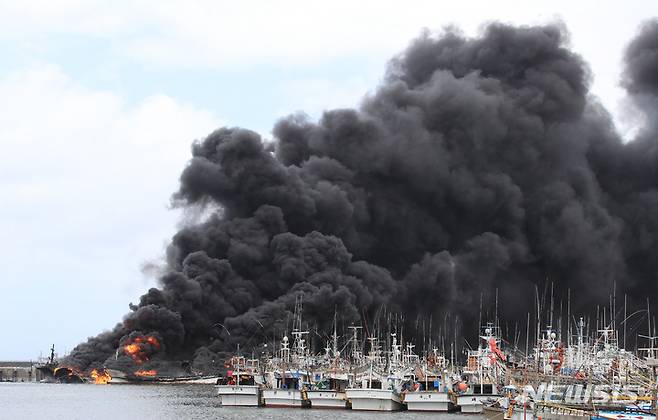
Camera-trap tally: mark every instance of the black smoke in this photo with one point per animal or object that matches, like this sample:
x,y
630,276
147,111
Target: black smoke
x,y
478,164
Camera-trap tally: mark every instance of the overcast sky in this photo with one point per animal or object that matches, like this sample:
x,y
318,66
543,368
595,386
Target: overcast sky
x,y
100,100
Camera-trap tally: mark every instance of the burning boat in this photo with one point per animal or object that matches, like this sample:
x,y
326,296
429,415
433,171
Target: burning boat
x,y
152,376
134,365
100,376
53,371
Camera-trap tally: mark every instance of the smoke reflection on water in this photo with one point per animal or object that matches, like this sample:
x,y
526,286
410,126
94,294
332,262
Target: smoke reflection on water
x,y
100,402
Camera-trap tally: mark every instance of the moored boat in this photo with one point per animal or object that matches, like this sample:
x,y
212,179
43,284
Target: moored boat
x,y
327,399
239,395
378,391
240,387
287,393
482,373
288,390
428,401
329,393
373,399
431,391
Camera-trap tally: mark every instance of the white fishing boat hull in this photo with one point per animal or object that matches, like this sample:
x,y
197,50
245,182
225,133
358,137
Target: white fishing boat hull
x,y
239,395
327,399
472,404
291,398
428,401
374,399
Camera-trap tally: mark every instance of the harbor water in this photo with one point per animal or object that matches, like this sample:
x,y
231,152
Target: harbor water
x,y
165,402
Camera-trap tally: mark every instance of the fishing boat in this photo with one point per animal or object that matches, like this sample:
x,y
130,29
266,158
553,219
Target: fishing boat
x,y
289,389
377,391
329,391
482,372
288,379
374,399
431,391
434,400
331,379
241,386
327,398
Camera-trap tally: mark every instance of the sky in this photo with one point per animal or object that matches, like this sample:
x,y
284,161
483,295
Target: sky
x,y
101,100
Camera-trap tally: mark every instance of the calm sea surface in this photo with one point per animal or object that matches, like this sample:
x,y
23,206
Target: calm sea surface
x,y
55,401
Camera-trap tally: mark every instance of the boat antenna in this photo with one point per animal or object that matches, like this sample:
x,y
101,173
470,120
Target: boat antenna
x,y
624,321
335,337
613,310
496,311
559,322
568,317
552,304
480,316
527,336
456,320
649,321
538,332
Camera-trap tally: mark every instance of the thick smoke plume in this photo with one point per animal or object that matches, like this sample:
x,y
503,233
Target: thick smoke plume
x,y
478,164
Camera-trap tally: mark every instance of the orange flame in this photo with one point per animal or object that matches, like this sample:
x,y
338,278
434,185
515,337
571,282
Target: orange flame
x,y
140,347
148,373
100,378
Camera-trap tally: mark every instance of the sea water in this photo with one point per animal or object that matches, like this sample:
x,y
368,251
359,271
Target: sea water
x,y
165,402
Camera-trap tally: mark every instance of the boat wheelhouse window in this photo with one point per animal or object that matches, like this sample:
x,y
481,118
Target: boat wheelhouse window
x,y
483,389
288,383
337,385
431,384
246,380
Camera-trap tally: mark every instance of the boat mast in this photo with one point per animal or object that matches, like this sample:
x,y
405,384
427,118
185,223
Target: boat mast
x,y
552,306
335,336
569,317
538,332
496,325
613,311
649,322
527,337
